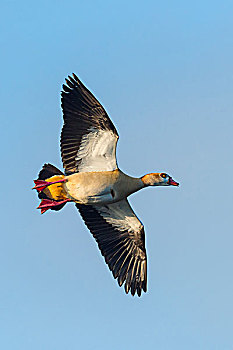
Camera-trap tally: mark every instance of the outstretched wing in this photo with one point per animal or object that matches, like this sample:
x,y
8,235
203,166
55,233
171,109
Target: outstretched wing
x,y
88,137
121,239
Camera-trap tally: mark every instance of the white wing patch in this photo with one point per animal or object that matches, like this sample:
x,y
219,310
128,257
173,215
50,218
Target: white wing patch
x,y
97,151
121,216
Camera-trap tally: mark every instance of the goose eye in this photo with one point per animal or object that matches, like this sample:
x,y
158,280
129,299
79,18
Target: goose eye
x,y
163,175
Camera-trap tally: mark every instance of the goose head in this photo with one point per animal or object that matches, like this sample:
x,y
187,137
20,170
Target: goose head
x,y
158,179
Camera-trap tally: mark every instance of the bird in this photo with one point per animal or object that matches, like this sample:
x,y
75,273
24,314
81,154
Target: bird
x,y
93,181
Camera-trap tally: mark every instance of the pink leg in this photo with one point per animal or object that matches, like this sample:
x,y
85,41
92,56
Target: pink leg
x,y
41,184
48,204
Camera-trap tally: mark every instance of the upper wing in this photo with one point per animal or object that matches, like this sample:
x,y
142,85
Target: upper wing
x,y
121,239
88,137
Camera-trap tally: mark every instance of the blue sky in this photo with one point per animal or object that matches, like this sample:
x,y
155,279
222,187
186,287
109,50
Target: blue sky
x,y
163,70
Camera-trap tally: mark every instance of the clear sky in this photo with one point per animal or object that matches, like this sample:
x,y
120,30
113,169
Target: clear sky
x,y
164,72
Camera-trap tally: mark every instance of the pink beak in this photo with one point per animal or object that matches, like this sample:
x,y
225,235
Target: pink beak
x,y
172,182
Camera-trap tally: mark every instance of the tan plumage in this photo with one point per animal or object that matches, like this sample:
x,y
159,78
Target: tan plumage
x,y
97,186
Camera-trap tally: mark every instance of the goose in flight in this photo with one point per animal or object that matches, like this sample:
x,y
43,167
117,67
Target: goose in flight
x,y
99,189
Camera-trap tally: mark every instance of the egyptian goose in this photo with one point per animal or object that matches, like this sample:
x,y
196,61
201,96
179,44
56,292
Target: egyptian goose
x,y
96,185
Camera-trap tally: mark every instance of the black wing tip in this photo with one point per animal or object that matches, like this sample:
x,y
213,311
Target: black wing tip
x,y
75,77
71,83
65,89
134,286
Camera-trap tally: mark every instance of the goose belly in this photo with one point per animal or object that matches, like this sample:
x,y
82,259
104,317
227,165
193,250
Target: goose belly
x,y
91,188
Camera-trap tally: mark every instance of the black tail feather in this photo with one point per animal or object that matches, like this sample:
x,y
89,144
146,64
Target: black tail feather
x,y
48,171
